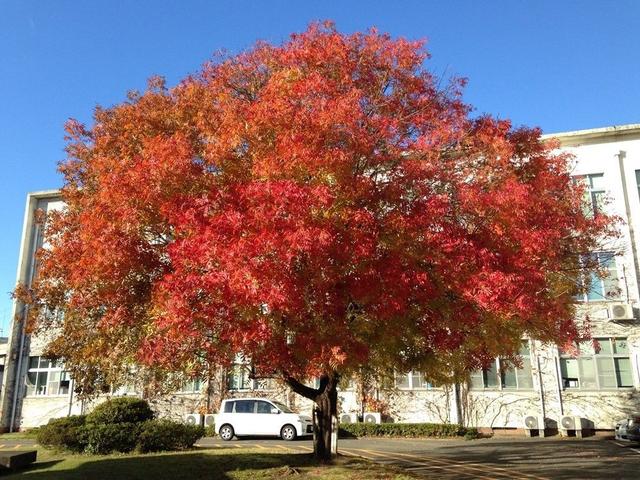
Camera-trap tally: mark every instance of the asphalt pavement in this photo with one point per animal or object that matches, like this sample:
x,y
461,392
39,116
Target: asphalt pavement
x,y
490,458
499,457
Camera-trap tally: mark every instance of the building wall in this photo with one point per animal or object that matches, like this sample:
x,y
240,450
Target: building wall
x,y
614,153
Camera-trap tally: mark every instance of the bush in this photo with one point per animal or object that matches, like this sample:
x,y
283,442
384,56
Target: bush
x,y
471,434
410,430
118,425
165,435
64,433
210,431
121,410
115,437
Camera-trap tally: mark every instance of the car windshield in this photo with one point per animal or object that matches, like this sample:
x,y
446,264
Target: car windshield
x,y
283,407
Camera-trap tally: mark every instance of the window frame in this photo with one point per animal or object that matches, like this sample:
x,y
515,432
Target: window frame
x,y
593,194
499,367
612,276
594,357
242,371
410,375
51,367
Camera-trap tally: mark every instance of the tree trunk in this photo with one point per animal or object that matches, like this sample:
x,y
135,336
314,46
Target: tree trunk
x,y
326,407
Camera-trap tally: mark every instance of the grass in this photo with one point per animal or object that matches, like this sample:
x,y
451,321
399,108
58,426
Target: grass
x,y
18,435
218,464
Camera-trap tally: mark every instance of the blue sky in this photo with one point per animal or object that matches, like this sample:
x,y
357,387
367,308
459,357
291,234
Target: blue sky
x,y
560,65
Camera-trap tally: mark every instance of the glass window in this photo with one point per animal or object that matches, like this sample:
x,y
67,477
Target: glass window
x,y
45,377
192,386
503,374
264,407
412,380
245,406
228,407
601,364
238,378
601,289
283,408
594,201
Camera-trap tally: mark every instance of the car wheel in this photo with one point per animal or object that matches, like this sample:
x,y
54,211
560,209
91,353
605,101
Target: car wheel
x,y
288,433
226,432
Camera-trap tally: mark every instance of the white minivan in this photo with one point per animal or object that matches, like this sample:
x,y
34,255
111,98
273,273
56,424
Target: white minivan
x,y
260,416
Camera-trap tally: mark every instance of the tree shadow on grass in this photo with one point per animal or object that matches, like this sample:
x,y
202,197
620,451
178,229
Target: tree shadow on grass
x,y
187,465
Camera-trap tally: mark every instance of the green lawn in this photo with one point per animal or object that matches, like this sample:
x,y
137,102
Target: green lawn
x,y
17,435
213,464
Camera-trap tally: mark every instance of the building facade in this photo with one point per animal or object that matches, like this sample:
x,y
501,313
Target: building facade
x,y
601,383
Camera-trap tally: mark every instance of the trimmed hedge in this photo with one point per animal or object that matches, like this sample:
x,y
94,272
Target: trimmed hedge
x,y
121,410
118,425
165,435
103,438
406,430
64,433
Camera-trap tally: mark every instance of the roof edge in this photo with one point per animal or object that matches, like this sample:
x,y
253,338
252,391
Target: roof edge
x,y
576,136
45,193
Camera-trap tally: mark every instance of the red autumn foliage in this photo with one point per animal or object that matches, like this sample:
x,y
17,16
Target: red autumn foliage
x,y
317,206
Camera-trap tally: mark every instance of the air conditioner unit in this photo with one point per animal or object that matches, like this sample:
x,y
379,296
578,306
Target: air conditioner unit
x,y
209,420
349,418
570,423
193,419
534,425
620,311
372,417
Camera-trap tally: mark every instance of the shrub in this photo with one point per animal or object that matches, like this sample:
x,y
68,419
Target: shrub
x,y
121,410
64,433
165,435
210,431
104,438
411,430
471,434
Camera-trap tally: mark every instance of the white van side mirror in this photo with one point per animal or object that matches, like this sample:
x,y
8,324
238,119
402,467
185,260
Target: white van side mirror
x,y
274,410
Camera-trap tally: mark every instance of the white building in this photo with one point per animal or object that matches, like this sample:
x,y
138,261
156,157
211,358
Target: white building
x,y
599,386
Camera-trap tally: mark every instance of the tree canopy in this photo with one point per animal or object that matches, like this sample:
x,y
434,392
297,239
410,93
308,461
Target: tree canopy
x,y
317,206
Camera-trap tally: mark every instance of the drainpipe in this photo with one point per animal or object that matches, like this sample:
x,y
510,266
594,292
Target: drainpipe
x,y
18,384
559,385
542,409
625,194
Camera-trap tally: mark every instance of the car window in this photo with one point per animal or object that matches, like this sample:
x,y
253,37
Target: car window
x,y
245,406
264,407
228,407
283,408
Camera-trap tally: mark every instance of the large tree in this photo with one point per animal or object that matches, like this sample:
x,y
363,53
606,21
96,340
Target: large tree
x,y
315,206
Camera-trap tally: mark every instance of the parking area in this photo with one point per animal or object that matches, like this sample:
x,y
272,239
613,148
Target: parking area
x,y
498,457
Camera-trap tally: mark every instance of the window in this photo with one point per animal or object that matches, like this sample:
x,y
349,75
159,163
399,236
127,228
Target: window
x,y
601,364
263,407
238,378
46,377
638,181
245,406
520,378
594,193
411,381
501,374
192,386
606,288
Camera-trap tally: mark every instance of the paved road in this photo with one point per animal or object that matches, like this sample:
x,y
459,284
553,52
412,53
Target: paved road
x,y
493,458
